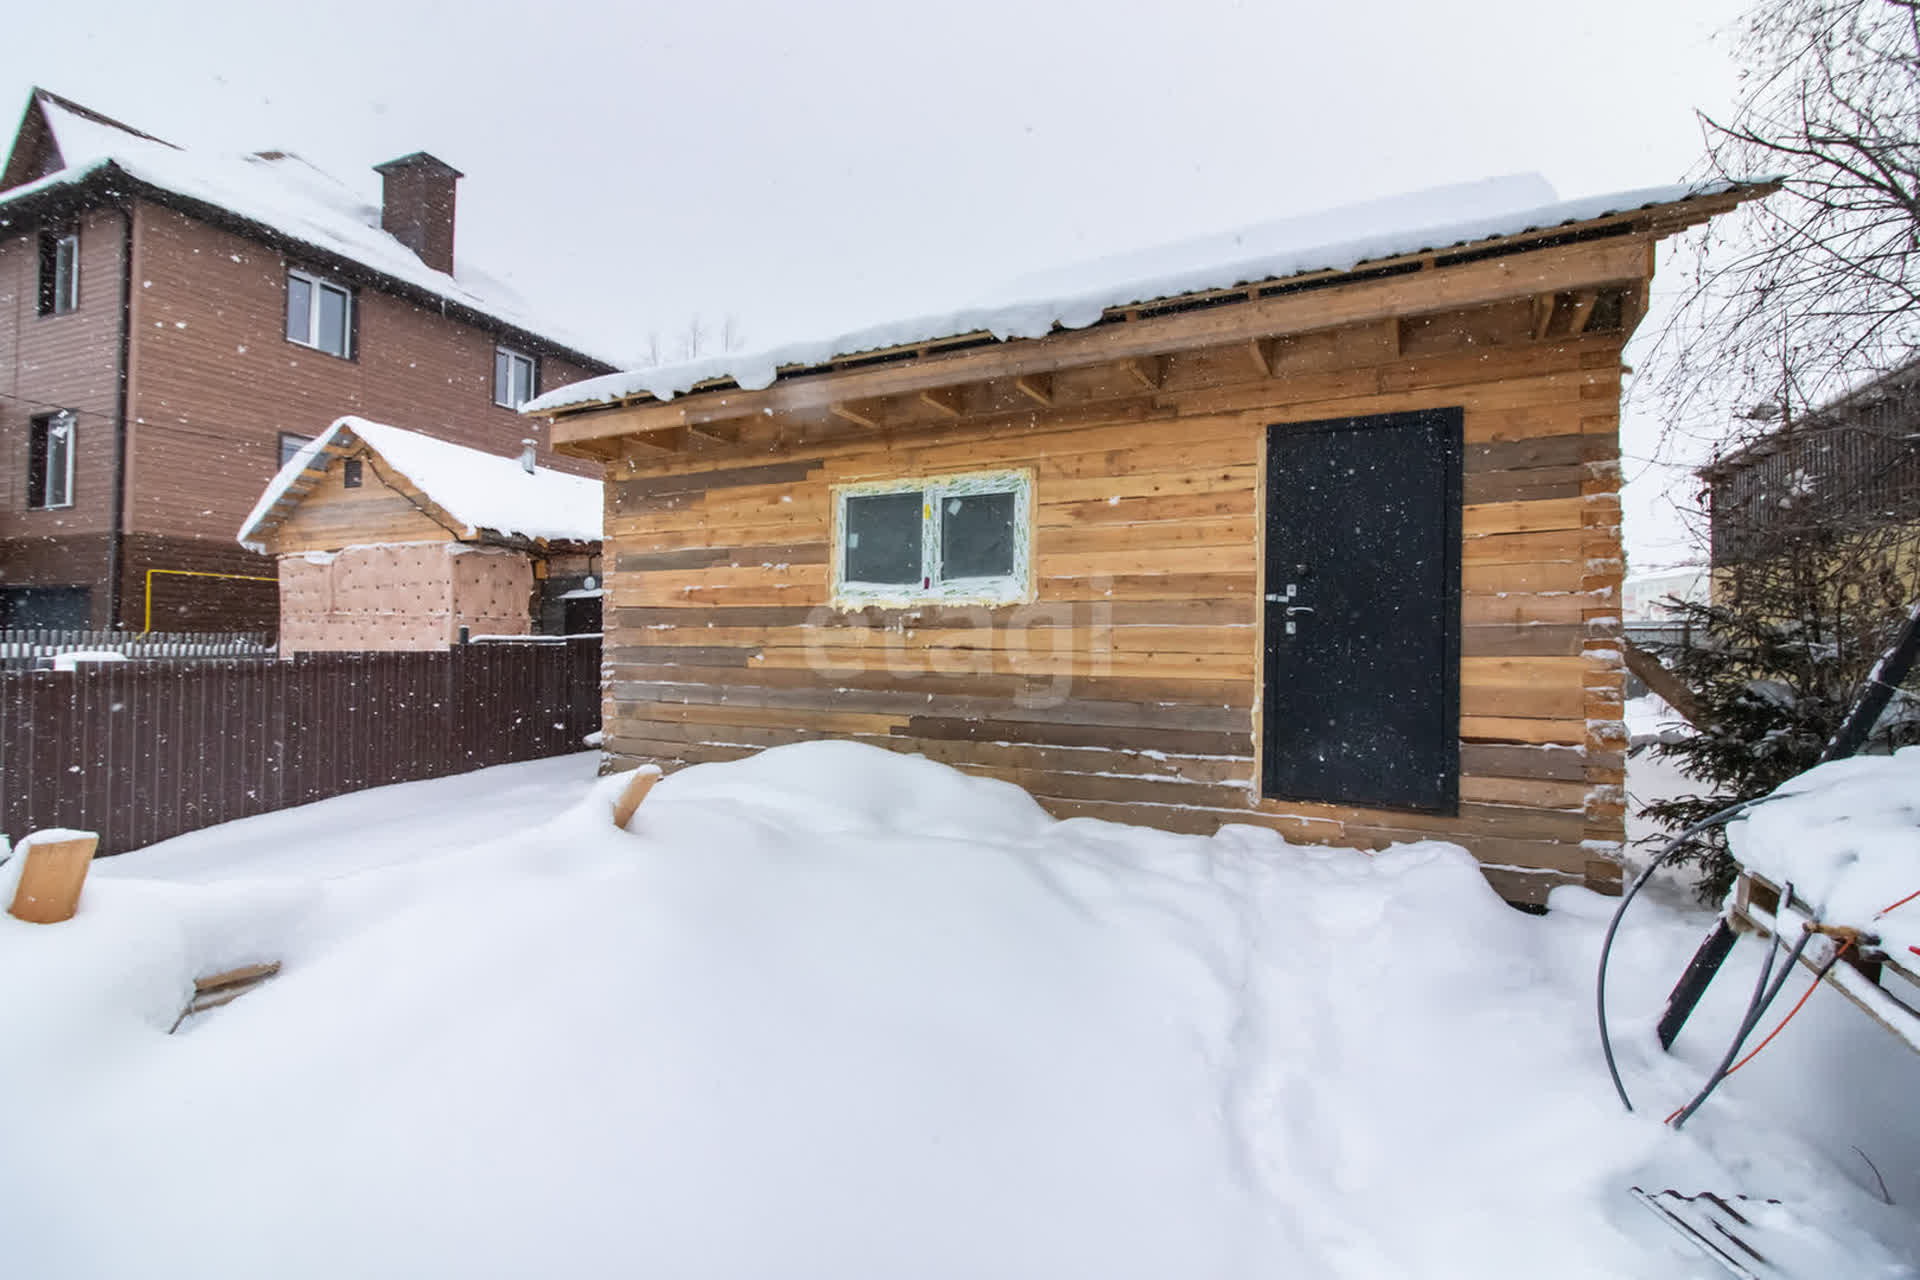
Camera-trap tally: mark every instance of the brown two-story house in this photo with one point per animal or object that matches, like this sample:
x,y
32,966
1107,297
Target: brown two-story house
x,y
173,324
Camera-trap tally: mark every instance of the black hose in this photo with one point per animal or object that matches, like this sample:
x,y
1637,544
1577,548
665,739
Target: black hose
x,y
1755,1012
1672,846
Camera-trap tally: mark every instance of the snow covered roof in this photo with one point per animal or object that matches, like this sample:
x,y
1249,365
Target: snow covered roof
x,y
482,493
1075,297
279,195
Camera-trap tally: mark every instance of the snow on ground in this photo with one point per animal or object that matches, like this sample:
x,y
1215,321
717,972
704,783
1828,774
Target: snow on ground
x,y
832,1011
368,829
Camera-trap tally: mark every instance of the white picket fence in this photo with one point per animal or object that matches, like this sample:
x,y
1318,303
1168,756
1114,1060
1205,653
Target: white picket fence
x,y
23,648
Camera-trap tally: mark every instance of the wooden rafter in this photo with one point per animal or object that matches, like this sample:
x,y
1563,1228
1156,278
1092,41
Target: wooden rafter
x,y
715,433
860,413
1582,311
657,443
1262,352
1543,305
1037,387
946,400
1148,371
1633,307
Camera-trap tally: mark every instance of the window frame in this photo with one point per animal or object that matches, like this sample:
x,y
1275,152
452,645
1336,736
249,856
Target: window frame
x,y
51,298
316,285
298,441
40,469
934,588
502,351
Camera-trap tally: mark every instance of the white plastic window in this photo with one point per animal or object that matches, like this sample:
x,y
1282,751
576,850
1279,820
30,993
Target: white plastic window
x,y
513,378
66,274
50,474
960,539
319,314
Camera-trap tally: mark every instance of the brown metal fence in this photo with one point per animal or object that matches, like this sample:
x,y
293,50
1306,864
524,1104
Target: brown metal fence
x,y
140,751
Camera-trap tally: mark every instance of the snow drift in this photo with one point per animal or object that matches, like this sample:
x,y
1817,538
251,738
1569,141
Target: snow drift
x,y
824,1011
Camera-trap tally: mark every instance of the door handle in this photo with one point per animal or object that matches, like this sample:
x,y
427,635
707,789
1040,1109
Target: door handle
x,y
1298,608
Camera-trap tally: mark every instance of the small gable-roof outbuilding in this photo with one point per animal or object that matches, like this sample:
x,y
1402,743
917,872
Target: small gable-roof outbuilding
x,y
472,495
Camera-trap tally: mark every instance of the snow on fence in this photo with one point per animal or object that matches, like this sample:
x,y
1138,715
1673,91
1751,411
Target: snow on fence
x,y
142,751
22,649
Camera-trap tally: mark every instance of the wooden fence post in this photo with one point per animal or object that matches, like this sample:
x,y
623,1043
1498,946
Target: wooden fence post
x,y
54,866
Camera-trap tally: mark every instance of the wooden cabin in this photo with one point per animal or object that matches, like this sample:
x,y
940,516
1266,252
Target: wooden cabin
x,y
392,539
1321,538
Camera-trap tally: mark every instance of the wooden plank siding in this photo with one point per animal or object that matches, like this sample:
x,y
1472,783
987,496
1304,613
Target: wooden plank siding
x,y
1129,687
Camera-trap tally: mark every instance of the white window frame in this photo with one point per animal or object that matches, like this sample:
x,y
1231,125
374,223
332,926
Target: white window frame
x,y
533,375
314,286
67,299
66,472
934,587
298,442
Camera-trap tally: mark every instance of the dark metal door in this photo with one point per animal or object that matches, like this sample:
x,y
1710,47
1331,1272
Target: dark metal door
x,y
1362,695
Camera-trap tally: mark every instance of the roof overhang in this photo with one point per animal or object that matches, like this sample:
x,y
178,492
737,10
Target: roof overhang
x,y
1597,253
1902,380
302,474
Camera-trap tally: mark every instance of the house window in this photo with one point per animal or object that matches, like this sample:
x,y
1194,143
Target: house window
x,y
50,461
319,314
515,378
962,538
350,474
291,444
59,272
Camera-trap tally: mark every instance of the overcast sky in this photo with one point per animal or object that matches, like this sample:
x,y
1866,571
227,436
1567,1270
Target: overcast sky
x,y
809,167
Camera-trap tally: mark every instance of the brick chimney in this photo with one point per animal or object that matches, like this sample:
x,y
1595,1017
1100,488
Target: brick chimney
x,y
416,206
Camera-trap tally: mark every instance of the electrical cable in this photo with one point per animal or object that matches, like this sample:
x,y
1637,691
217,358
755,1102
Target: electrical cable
x,y
1903,902
1672,846
1756,1010
1818,977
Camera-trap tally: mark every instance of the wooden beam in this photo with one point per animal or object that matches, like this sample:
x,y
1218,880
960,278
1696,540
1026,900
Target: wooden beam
x,y
1037,387
1543,305
654,445
245,975
633,793
1633,308
866,414
1261,351
716,433
947,400
1148,371
53,869
1582,311
1654,674
1393,336
1592,264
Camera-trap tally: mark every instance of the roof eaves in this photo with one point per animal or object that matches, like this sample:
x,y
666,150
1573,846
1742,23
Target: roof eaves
x,y
107,179
98,117
1902,378
1719,194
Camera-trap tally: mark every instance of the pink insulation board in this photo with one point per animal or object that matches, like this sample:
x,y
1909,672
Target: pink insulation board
x,y
403,596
